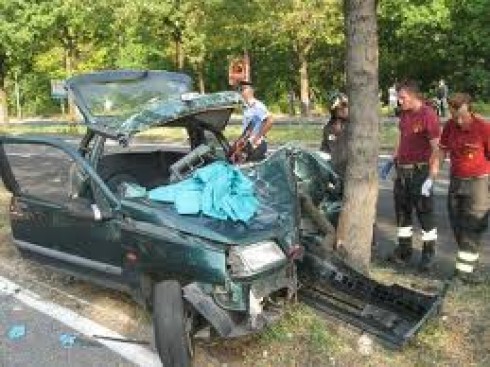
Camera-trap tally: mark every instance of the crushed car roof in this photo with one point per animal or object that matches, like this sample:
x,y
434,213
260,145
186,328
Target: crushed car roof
x,y
120,103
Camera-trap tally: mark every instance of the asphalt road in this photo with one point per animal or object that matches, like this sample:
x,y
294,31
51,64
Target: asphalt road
x,y
31,338
41,345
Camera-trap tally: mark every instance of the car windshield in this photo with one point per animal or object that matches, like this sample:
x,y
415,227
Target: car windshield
x,y
120,98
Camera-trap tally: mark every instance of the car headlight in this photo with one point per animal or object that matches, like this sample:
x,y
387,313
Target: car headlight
x,y
251,259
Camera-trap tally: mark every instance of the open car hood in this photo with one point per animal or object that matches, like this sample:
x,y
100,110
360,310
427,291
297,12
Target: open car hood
x,y
121,103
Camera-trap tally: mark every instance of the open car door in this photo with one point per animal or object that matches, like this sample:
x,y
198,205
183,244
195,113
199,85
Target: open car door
x,y
49,220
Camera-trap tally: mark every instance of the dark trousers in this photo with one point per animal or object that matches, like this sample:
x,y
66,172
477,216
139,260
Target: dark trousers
x,y
468,208
407,195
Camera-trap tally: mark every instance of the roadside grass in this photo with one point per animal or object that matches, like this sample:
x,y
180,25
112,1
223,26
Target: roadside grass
x,y
482,108
305,134
43,129
458,336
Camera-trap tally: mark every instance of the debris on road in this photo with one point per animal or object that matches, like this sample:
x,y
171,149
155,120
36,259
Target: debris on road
x,y
67,340
17,332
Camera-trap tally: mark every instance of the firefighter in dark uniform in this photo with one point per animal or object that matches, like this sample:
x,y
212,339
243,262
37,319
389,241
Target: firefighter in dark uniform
x,y
466,138
416,161
334,138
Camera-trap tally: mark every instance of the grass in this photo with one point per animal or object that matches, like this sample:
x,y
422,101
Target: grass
x,y
43,129
460,336
482,108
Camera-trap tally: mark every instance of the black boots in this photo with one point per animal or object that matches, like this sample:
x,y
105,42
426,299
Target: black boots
x,y
428,256
403,253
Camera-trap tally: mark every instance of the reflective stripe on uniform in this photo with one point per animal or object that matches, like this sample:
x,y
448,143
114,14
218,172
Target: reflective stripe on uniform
x,y
430,235
405,232
465,268
468,256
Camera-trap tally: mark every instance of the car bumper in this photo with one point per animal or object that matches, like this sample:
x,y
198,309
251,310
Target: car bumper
x,y
257,309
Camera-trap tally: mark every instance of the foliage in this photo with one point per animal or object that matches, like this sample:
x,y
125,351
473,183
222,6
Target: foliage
x,y
52,39
434,39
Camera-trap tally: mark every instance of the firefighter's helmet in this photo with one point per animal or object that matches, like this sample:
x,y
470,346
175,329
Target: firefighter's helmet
x,y
337,99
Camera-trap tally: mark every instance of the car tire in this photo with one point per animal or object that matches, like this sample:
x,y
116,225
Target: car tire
x,y
172,323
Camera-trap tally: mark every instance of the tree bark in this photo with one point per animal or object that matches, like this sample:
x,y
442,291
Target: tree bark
x,y
4,116
179,54
355,229
70,65
200,77
304,84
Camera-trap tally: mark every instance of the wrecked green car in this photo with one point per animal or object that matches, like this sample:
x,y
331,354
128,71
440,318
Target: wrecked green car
x,y
93,211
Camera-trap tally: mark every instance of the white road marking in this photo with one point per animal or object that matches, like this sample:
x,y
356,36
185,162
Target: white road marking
x,y
134,353
22,155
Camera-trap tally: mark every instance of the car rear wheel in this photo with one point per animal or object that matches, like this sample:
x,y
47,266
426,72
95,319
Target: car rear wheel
x,y
173,322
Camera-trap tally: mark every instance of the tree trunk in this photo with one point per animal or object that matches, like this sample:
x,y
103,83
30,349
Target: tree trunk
x,y
70,57
356,221
4,115
304,84
179,54
200,77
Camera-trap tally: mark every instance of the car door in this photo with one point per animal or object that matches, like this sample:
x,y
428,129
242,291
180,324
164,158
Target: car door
x,y
49,220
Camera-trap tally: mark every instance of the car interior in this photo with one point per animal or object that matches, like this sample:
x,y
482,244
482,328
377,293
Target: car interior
x,y
152,167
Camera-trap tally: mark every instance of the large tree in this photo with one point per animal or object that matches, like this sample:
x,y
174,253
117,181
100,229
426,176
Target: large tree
x,y
16,44
304,24
356,221
301,26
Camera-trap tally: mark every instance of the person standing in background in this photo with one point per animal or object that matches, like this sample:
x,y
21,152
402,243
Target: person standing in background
x,y
466,138
392,100
334,140
257,122
416,161
442,94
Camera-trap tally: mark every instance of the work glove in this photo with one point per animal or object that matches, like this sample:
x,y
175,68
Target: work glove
x,y
386,169
426,187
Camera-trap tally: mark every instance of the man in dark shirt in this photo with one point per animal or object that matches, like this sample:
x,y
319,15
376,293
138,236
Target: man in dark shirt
x,y
466,138
334,138
416,157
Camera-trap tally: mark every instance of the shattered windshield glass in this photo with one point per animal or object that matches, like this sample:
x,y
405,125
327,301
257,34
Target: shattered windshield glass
x,y
123,98
120,103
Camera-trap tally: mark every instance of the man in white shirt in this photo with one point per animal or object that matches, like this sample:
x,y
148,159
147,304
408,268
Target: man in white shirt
x,y
257,121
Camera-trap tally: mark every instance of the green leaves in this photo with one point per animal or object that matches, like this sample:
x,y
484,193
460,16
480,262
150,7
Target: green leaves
x,y
423,39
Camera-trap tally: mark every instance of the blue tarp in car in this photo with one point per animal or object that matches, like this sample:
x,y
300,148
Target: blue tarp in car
x,y
219,190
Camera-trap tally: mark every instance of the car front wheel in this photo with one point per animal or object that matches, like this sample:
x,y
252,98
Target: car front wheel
x,y
172,320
